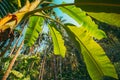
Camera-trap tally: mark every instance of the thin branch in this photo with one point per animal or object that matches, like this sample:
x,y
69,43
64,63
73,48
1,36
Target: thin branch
x,y
12,63
18,38
49,18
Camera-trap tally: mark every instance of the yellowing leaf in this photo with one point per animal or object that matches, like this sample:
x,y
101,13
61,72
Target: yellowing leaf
x,y
58,42
9,22
5,19
97,63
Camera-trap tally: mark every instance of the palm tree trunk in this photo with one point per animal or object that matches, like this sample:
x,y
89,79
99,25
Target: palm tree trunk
x,y
12,63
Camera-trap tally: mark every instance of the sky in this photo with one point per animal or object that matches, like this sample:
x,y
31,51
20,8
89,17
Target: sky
x,y
60,1
61,14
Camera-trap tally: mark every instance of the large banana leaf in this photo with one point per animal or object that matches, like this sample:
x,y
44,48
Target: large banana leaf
x,y
58,42
81,17
109,18
107,11
33,30
98,64
109,6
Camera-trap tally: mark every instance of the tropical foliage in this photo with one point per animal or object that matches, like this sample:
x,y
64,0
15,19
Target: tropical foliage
x,y
34,30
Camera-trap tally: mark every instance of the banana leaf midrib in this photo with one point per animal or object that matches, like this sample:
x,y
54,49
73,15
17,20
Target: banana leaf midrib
x,y
56,39
92,58
34,29
76,15
97,4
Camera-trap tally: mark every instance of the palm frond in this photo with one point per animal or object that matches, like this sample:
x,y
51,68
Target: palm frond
x,y
6,7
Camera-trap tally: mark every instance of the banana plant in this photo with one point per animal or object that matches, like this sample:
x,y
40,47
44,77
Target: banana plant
x,y
97,62
104,11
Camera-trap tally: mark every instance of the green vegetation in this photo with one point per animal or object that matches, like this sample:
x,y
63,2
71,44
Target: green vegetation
x,y
37,44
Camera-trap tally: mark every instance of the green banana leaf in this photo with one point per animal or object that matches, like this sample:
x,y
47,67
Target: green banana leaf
x,y
33,30
58,42
109,6
84,20
109,18
107,11
97,63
